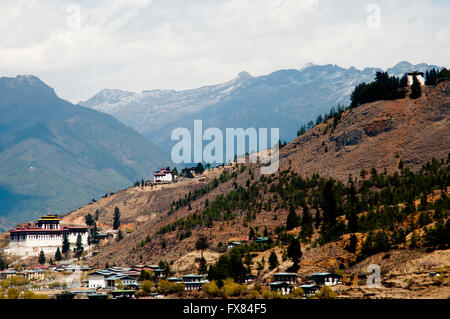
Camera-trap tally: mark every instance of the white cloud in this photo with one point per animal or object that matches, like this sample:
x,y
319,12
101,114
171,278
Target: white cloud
x,y
144,44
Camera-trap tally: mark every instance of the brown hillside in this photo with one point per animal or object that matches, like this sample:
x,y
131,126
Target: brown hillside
x,y
139,204
377,134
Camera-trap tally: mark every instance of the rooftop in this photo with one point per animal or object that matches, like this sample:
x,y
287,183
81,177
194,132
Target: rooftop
x,y
286,274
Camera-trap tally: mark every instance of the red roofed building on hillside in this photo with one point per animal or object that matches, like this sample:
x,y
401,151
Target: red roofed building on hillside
x,y
163,175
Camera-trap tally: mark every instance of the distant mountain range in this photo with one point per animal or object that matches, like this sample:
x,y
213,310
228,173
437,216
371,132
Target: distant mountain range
x,y
56,156
285,99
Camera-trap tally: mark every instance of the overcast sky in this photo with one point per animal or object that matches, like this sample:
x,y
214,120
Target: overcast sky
x,y
81,47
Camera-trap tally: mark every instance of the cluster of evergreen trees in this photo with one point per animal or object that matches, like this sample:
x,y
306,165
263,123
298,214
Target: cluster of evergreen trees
x,y
198,193
317,203
433,77
334,113
384,87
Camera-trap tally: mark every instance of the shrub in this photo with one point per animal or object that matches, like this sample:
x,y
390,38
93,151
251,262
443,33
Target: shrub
x,y
326,293
254,294
13,293
167,287
147,286
211,289
31,295
232,289
298,292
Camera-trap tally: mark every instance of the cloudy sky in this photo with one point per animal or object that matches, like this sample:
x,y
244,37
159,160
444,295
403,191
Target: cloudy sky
x,y
81,47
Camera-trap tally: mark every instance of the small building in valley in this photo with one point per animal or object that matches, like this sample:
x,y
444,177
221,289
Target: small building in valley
x,y
284,282
288,277
309,289
325,278
194,282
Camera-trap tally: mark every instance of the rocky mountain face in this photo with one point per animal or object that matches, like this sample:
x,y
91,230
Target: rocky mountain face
x,y
378,134
56,156
285,99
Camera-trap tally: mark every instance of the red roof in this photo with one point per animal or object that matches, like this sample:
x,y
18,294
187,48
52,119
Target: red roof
x,y
159,174
38,229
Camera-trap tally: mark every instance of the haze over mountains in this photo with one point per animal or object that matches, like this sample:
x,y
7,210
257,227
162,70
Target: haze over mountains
x,y
55,156
285,99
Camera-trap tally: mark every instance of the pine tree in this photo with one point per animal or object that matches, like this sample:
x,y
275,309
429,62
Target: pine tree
x,y
202,244
404,81
42,258
331,229
292,219
119,235
116,223
352,217
3,264
352,245
66,246
199,169
203,268
79,247
251,234
89,220
248,262
416,90
93,232
295,253
58,255
306,223
273,260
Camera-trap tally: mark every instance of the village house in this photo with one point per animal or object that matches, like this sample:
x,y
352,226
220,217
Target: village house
x,y
288,277
325,278
157,272
249,279
8,273
284,287
163,175
175,279
261,240
31,274
34,274
309,289
111,277
233,244
284,282
194,282
97,278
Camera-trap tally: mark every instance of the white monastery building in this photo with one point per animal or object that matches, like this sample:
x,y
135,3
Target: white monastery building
x,y
163,175
46,235
419,76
